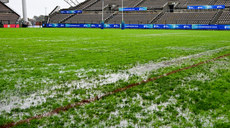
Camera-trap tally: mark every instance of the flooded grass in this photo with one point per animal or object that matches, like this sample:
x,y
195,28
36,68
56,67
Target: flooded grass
x,y
43,69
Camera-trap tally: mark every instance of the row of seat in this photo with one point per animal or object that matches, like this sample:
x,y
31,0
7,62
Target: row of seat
x,y
56,18
223,2
113,3
185,3
132,18
187,18
94,18
83,5
8,18
224,18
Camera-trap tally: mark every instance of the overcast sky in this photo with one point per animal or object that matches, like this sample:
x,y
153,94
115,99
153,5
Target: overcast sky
x,y
37,7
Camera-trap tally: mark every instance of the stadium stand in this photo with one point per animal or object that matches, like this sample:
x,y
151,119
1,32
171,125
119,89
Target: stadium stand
x,y
93,17
187,18
113,4
159,12
224,18
153,4
133,18
56,18
7,15
223,2
185,3
84,5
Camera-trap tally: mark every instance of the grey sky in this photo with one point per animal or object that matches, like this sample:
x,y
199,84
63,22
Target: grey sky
x,y
37,7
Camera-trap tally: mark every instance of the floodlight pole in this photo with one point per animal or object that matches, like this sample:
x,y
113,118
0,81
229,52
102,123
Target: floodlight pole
x,y
24,9
45,11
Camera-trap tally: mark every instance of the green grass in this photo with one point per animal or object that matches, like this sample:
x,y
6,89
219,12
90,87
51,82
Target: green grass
x,y
43,69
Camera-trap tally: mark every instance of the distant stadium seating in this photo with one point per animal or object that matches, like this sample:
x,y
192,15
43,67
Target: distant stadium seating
x,y
185,3
159,12
186,18
56,18
223,2
224,18
151,4
83,5
113,4
7,15
94,18
133,18
8,18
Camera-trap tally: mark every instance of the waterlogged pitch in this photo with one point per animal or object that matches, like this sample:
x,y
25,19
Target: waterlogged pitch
x,y
45,69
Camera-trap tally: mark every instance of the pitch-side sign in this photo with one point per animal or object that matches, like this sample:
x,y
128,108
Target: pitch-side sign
x,y
143,26
133,9
71,11
206,7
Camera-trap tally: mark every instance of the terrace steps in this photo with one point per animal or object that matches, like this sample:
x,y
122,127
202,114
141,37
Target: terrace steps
x,y
157,17
216,17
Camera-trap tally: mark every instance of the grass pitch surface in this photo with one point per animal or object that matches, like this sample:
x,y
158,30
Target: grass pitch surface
x,y
43,69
